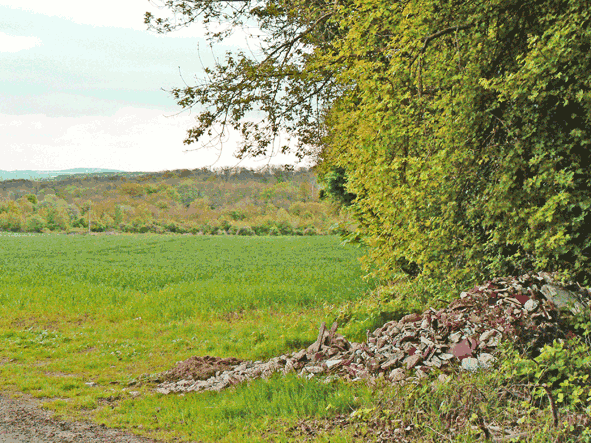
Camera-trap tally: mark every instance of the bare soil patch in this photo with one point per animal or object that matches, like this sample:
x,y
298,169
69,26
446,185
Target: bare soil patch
x,y
23,421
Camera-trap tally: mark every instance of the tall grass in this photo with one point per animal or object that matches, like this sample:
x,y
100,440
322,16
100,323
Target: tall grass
x,y
245,410
111,310
169,278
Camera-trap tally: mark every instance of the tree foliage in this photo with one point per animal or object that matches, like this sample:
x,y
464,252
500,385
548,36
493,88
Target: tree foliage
x,y
462,127
276,86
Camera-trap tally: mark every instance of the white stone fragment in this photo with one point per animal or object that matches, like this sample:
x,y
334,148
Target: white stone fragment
x,y
331,363
486,360
486,335
531,305
455,337
470,364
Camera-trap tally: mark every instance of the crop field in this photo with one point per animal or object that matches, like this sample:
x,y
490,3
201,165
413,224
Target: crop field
x,y
86,320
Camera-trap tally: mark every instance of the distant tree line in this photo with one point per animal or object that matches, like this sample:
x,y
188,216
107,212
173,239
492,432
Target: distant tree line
x,y
274,201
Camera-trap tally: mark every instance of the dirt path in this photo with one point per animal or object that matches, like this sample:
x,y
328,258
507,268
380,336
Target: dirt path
x,y
22,421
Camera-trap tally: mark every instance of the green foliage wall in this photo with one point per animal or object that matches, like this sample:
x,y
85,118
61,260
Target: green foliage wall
x,y
464,132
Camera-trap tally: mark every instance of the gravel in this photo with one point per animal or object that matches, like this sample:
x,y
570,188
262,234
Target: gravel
x,y
22,421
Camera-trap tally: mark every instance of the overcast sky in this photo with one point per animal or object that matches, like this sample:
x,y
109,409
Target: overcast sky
x,y
80,86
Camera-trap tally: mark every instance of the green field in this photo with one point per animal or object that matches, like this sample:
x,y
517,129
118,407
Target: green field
x,y
115,309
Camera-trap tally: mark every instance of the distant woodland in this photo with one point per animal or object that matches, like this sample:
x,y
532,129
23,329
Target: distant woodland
x,y
238,201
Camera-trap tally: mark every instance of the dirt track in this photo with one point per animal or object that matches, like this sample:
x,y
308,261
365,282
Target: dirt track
x,y
22,421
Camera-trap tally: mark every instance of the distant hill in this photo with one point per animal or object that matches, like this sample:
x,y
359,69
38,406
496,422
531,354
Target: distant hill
x,y
37,175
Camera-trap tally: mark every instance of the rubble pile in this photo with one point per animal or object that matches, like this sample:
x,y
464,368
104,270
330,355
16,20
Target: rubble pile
x,y
525,310
200,368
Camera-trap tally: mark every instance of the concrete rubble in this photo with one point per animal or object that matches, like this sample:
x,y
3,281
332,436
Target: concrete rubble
x,y
525,310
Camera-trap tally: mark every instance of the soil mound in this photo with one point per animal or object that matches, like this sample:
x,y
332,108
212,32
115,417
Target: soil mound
x,y
199,368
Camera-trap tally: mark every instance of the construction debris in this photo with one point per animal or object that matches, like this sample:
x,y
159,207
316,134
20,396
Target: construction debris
x,y
525,310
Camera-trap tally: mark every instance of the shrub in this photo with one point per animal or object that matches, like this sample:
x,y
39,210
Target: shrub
x,y
156,228
32,198
225,225
36,223
10,222
237,215
80,222
472,169
207,229
97,226
338,229
284,228
245,230
563,368
57,219
174,227
261,229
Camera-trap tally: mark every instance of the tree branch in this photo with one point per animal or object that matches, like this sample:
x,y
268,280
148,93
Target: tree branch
x,y
438,34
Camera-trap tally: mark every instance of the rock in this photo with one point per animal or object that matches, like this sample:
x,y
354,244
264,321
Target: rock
x,y
315,347
393,330
462,349
470,364
563,298
393,360
494,341
314,369
483,316
411,318
413,360
332,363
531,305
300,355
455,337
381,342
397,374
443,378
420,374
486,360
434,361
427,342
486,335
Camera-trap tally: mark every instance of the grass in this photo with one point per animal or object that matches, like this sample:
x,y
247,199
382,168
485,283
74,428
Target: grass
x,y
112,309
244,413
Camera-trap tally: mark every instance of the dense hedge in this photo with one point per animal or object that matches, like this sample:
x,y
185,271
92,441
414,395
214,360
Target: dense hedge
x,y
464,132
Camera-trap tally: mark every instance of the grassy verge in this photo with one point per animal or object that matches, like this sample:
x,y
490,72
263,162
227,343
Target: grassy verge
x,y
84,319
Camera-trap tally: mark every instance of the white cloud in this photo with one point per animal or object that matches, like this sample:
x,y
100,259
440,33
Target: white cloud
x,y
127,14
113,13
13,43
134,139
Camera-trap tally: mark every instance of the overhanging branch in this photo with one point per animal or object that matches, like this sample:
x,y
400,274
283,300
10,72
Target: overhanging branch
x,y
438,34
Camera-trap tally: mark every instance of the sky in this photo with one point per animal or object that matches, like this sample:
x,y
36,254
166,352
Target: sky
x,y
83,87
